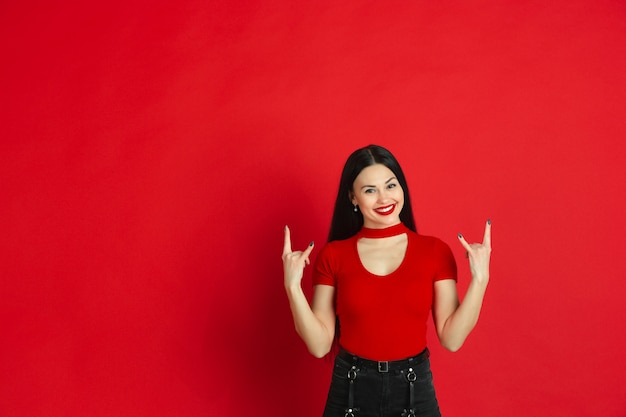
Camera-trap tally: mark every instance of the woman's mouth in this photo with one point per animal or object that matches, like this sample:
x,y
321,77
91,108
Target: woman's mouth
x,y
386,210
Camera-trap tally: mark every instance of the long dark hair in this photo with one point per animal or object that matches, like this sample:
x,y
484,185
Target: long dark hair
x,y
346,222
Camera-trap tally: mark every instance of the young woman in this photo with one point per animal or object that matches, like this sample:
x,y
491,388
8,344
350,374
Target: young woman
x,y
375,283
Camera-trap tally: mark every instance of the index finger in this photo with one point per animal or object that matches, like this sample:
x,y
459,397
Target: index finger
x,y
287,244
464,243
487,238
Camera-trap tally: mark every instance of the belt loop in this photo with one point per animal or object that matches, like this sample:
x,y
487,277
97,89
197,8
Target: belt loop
x,y
383,366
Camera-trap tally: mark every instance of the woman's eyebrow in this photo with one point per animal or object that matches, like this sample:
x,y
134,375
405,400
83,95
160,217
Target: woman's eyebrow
x,y
373,186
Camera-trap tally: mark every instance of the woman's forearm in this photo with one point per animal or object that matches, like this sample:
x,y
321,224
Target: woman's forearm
x,y
315,334
460,323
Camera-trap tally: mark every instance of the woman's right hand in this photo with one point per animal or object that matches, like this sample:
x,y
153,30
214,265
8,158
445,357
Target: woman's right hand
x,y
294,262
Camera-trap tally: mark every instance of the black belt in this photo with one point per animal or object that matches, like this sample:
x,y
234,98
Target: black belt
x,y
384,366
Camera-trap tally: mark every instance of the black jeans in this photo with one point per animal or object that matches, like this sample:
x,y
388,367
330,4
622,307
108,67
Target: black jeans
x,y
362,388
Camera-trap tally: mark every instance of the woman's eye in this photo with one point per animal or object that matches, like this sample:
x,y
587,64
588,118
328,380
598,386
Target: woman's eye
x,y
369,191
391,186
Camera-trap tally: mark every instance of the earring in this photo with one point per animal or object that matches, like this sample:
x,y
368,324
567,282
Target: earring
x,y
355,208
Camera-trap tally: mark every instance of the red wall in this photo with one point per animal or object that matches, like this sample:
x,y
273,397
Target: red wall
x,y
151,155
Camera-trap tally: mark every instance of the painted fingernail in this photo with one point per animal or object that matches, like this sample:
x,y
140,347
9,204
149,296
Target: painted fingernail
x,y
460,235
312,243
489,222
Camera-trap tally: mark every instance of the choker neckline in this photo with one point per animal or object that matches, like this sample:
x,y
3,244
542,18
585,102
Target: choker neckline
x,y
385,232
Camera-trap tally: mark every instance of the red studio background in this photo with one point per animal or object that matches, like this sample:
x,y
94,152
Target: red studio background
x,y
151,154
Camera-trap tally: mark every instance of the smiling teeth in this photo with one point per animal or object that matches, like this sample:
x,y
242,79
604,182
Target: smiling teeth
x,y
385,210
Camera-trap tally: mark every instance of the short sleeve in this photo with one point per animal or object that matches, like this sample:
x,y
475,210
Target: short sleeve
x,y
445,265
323,268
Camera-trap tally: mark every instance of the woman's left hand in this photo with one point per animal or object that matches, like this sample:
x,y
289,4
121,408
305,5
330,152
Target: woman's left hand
x,y
479,255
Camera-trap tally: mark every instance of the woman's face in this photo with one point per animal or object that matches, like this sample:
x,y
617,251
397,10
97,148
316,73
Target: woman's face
x,y
380,197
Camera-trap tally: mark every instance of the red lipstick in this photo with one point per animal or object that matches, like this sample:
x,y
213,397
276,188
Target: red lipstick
x,y
386,210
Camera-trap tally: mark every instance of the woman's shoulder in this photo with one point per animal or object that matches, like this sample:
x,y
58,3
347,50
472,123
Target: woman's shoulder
x,y
333,252
437,251
427,240
337,248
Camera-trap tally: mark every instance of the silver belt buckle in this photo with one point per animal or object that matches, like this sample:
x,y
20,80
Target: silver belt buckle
x,y
383,366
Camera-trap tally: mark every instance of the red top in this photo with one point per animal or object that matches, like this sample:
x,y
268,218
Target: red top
x,y
384,317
